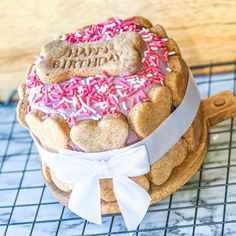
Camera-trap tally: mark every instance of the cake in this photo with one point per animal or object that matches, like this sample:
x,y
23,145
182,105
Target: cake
x,y
104,87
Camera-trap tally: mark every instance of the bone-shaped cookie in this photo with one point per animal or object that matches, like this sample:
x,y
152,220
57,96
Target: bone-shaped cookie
x,y
120,55
161,170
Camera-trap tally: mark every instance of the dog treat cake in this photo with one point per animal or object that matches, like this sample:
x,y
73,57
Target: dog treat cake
x,y
105,87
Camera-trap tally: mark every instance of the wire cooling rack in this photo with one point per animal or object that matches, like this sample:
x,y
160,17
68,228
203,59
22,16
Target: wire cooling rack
x,y
205,206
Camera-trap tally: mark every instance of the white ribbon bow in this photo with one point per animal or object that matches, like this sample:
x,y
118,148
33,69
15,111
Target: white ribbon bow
x,y
132,199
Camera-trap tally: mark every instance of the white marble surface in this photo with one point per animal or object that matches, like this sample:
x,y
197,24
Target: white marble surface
x,y
27,207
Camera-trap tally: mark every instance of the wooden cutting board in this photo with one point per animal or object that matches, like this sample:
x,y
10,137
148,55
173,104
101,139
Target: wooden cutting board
x,y
205,30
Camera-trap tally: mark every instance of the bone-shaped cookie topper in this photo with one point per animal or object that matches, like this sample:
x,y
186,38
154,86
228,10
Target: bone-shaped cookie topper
x,y
120,55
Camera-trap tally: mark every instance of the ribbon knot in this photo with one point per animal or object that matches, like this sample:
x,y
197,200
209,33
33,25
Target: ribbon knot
x,y
102,169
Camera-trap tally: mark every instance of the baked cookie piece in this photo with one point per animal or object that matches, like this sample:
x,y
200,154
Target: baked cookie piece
x,y
161,170
193,134
144,22
145,117
177,79
22,111
160,31
53,132
22,90
107,193
96,136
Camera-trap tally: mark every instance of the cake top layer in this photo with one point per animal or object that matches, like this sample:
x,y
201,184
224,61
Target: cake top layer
x,y
91,94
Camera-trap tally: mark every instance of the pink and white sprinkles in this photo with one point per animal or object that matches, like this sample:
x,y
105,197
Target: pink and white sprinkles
x,y
82,98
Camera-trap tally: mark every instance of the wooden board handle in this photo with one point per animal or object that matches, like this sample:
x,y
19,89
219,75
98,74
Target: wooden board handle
x,y
219,107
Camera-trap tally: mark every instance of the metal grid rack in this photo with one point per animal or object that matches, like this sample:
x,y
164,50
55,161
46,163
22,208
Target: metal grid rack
x,y
204,206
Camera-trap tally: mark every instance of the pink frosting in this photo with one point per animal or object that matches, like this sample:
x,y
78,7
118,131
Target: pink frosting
x,y
93,97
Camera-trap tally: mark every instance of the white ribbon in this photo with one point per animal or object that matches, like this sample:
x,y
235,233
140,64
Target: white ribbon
x,y
133,200
85,169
